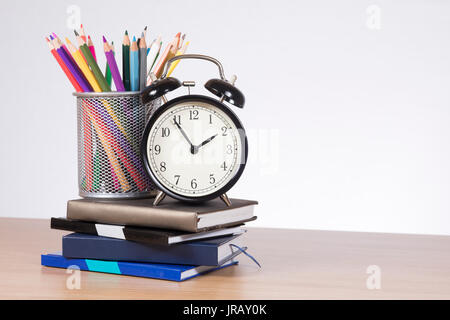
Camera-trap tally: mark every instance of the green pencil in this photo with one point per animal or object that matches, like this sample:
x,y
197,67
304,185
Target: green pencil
x,y
157,55
108,74
126,62
92,64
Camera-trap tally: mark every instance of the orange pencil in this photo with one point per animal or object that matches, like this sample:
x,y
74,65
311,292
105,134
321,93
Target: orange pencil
x,y
169,53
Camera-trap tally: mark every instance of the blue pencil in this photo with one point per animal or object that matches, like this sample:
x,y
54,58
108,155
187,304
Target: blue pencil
x,y
134,66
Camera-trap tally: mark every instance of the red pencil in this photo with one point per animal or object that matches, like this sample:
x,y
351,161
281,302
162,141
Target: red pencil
x,y
64,67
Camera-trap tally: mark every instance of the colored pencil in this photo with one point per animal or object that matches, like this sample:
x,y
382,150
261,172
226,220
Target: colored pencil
x,y
176,40
151,76
179,52
87,150
142,62
181,41
114,70
78,57
157,54
72,68
134,65
117,142
91,48
61,63
108,74
92,64
162,60
64,47
82,33
169,53
154,50
104,135
126,61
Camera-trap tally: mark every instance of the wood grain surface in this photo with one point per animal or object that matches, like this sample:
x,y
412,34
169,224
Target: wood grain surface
x,y
296,264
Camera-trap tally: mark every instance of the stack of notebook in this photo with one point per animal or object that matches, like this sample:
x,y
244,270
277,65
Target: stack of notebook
x,y
172,241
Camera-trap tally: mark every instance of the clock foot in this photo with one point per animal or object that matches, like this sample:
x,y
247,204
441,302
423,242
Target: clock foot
x,y
159,197
225,199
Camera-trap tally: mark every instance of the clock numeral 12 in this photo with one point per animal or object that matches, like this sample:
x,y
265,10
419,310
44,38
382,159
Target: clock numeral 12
x,y
193,115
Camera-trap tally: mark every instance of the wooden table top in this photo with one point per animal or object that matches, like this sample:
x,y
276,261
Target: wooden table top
x,y
296,264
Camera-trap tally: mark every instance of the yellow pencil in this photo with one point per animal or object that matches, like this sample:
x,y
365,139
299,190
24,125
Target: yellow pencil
x,y
179,52
78,57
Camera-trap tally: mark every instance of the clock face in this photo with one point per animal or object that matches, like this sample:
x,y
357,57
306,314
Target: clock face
x,y
195,148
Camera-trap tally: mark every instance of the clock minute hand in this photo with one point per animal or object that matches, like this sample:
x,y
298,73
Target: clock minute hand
x,y
203,143
186,137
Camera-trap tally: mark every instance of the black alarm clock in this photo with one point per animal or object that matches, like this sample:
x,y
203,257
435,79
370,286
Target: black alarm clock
x,y
194,147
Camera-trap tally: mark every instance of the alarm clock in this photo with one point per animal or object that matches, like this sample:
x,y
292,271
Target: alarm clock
x,y
194,147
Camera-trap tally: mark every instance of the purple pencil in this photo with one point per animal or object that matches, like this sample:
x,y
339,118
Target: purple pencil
x,y
72,68
54,36
72,60
113,66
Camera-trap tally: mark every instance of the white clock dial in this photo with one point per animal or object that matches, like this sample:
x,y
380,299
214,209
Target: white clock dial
x,y
194,149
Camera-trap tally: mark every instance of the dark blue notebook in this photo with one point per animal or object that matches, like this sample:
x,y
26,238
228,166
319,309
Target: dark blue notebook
x,y
210,252
145,270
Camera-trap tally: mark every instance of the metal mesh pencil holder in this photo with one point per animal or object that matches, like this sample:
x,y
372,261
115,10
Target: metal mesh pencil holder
x,y
110,126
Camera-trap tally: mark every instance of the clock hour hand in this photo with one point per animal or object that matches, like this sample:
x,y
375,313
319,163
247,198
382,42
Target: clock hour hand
x,y
203,143
186,137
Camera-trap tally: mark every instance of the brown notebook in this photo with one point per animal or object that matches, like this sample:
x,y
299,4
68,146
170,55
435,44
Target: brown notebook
x,y
169,214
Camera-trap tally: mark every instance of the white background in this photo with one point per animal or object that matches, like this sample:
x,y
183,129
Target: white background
x,y
348,125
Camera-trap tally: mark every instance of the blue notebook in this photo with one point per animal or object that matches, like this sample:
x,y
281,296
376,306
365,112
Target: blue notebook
x,y
146,270
209,252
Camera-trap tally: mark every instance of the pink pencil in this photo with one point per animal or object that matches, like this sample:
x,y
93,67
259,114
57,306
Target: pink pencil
x,y
91,47
113,66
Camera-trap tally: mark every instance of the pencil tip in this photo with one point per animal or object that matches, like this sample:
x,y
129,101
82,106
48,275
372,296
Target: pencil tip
x,y
134,38
81,26
142,35
126,32
145,28
104,39
51,37
76,33
46,39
